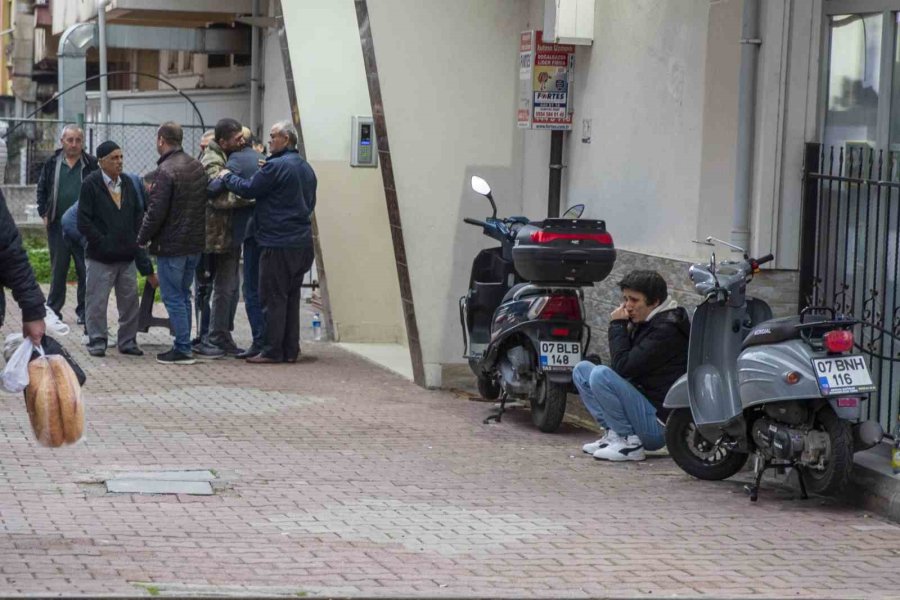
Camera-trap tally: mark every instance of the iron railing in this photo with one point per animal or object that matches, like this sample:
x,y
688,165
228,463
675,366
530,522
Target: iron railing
x,y
850,255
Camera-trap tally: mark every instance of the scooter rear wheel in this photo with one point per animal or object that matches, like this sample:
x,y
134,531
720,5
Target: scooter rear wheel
x,y
695,454
839,462
488,388
549,407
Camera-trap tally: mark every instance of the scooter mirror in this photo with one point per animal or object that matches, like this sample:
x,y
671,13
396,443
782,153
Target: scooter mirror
x,y
574,212
480,186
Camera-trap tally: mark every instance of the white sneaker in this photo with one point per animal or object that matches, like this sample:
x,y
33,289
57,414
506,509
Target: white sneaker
x,y
630,448
608,437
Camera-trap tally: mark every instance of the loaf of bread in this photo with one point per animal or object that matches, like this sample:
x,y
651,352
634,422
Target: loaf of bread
x,y
68,393
53,400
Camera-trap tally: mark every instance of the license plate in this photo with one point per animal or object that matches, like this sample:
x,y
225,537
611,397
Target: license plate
x,y
560,356
838,375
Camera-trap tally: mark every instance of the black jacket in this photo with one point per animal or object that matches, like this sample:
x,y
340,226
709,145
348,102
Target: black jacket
x,y
651,355
46,199
15,270
175,223
285,193
111,232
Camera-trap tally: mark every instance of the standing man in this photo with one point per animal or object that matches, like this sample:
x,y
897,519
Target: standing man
x,y
175,227
109,217
285,193
224,210
57,190
17,275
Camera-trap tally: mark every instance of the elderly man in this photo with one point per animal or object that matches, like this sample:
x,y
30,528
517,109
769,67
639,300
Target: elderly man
x,y
109,217
285,193
57,190
175,227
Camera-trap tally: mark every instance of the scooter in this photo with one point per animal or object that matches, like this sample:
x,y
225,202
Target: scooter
x,y
523,315
789,391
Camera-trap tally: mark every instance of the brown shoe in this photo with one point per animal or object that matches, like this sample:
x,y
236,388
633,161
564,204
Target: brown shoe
x,y
259,359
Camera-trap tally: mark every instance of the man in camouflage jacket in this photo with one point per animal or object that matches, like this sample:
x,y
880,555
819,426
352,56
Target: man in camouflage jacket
x,y
223,249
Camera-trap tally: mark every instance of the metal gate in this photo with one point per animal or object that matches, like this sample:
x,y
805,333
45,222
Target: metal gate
x,y
849,248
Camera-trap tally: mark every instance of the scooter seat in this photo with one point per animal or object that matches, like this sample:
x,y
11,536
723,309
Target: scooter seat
x,y
778,330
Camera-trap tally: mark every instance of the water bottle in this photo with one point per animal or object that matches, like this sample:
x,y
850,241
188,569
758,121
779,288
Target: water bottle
x,y
317,327
895,449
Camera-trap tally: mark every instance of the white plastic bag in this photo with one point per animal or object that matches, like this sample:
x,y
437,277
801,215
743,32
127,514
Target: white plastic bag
x,y
15,375
11,344
54,325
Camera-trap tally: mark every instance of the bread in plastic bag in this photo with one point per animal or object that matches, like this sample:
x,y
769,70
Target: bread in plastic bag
x,y
54,403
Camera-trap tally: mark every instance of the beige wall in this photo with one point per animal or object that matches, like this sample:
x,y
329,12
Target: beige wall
x,y
448,74
327,63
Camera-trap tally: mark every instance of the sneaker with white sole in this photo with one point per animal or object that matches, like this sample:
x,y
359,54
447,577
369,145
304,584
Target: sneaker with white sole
x,y
629,448
608,437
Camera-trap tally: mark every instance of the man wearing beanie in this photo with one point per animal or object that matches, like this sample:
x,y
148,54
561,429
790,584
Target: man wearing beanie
x,y
109,217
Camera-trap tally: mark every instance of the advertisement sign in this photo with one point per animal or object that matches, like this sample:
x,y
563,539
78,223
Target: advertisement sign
x,y
546,73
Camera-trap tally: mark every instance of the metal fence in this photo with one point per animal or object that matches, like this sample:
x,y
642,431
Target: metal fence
x,y
850,255
30,142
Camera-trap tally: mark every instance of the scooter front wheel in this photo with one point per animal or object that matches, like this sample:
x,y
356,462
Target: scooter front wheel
x,y
695,454
488,388
549,407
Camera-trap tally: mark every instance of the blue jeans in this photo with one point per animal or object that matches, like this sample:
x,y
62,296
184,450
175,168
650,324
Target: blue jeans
x,y
251,292
176,273
618,405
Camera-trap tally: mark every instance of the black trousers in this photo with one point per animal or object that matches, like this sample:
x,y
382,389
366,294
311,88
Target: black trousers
x,y
281,272
62,253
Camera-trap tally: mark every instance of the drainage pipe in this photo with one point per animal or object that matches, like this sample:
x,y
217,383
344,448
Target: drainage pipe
x,y
101,38
743,180
254,73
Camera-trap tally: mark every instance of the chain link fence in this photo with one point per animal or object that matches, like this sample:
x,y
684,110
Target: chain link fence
x,y
30,142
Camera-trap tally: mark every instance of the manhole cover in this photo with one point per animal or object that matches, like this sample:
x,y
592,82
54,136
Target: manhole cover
x,y
194,483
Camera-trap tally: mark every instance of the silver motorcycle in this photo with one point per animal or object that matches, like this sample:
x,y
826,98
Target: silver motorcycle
x,y
789,391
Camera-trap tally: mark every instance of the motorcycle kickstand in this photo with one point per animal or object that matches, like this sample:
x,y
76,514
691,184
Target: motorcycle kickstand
x,y
499,415
753,489
803,494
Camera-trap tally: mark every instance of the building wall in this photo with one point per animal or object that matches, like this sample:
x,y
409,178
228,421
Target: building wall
x,y
327,63
448,73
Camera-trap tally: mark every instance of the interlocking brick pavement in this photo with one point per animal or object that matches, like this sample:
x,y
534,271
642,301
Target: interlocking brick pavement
x,y
335,477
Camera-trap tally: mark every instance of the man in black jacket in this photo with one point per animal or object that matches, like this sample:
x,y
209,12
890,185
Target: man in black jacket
x,y
17,275
109,217
648,342
57,190
175,227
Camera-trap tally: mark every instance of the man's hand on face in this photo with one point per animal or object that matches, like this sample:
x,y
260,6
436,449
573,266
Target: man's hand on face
x,y
619,314
34,330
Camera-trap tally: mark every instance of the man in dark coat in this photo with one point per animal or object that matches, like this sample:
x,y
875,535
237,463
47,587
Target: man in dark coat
x,y
648,343
109,217
57,190
285,193
17,275
175,228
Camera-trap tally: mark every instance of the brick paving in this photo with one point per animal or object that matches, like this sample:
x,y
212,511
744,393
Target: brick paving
x,y
335,477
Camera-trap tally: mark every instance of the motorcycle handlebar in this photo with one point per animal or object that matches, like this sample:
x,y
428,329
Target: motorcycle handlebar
x,y
474,222
763,260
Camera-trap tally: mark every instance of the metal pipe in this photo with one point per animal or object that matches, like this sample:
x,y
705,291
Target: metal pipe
x,y
104,80
743,179
556,167
254,73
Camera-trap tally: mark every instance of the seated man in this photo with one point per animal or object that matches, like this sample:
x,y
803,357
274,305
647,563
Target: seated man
x,y
648,343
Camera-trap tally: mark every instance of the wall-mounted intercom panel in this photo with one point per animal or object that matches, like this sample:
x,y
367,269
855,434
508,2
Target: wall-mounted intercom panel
x,y
363,152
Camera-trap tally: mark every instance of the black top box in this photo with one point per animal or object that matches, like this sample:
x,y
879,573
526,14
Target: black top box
x,y
565,251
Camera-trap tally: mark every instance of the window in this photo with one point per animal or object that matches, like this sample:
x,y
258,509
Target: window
x,y
171,61
218,61
187,62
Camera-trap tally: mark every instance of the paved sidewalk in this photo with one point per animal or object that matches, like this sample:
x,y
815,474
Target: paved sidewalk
x,y
335,477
